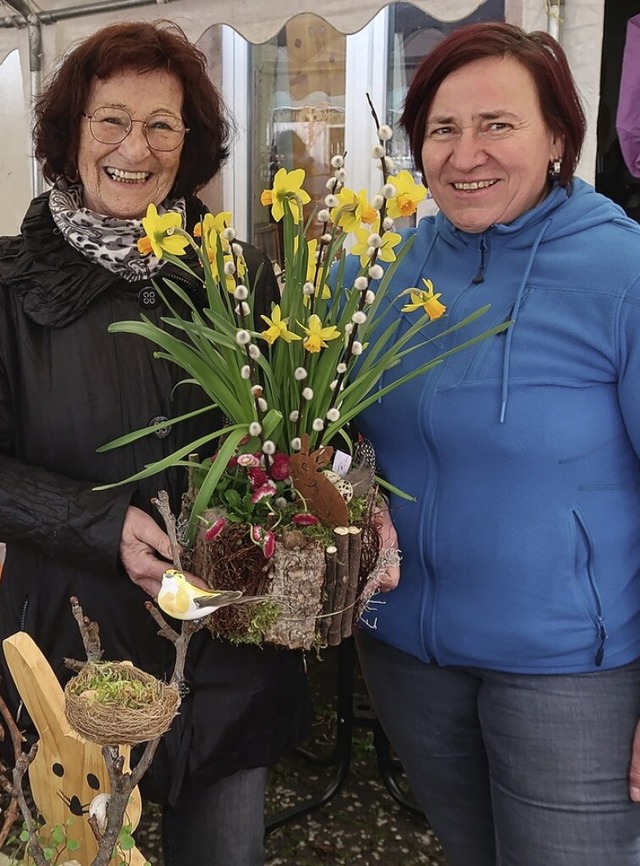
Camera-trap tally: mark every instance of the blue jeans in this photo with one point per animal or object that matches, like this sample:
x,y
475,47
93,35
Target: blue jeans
x,y
221,825
512,769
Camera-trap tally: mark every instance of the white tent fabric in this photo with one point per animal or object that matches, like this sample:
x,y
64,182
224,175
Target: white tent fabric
x,y
580,31
255,20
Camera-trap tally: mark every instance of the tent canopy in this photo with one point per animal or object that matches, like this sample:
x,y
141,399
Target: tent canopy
x,y
33,34
66,20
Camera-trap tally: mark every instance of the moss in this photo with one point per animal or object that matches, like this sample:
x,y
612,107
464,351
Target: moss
x,y
107,683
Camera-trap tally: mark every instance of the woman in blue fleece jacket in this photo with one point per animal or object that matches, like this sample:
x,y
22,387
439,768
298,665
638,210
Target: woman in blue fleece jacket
x,y
505,665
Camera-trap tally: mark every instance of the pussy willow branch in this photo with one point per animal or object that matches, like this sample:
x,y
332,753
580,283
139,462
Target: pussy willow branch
x,y
347,355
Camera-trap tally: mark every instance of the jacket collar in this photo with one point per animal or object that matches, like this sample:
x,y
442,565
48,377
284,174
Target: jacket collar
x,y
56,283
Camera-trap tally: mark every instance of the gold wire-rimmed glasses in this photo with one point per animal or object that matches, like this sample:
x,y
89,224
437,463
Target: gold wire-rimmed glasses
x,y
164,132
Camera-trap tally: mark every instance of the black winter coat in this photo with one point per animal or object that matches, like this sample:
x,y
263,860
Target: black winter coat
x,y
66,387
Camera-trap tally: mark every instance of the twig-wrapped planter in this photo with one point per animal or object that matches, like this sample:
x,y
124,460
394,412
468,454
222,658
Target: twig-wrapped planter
x,y
314,585
115,703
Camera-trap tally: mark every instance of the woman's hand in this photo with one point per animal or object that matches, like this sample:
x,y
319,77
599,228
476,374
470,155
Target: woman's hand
x,y
390,576
634,769
145,551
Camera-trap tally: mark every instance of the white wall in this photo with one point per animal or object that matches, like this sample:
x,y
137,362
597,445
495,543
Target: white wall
x,y
15,176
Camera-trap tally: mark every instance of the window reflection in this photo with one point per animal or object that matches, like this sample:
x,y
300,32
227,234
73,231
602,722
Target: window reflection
x,y
299,97
291,113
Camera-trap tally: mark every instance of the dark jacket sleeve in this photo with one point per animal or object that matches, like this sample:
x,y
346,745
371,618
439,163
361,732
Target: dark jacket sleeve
x,y
65,519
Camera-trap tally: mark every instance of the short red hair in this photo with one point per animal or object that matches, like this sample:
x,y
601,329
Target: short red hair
x,y
139,46
538,52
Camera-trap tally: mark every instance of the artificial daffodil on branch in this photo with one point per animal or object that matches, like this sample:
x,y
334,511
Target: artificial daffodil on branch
x,y
311,365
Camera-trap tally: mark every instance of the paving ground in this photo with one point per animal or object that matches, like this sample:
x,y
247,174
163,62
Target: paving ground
x,y
361,824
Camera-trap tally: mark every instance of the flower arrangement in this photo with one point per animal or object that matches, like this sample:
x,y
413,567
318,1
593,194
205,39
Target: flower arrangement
x,y
287,473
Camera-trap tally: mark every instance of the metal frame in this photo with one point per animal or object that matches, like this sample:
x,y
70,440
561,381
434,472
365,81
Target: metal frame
x,y
348,718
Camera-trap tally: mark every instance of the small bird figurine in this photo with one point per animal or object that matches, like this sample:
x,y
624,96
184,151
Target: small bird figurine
x,y
182,600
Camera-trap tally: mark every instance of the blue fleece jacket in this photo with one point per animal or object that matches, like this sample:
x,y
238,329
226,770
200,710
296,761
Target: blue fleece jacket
x,y
522,548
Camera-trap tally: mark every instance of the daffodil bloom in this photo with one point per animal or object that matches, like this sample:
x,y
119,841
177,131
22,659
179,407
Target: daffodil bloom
x,y
323,291
213,222
424,299
386,250
286,185
212,241
161,236
352,210
278,327
210,230
408,194
317,335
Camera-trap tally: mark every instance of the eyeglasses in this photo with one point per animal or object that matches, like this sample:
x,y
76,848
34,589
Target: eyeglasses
x,y
163,132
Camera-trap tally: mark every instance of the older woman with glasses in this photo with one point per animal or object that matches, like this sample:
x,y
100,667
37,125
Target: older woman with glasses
x,y
129,118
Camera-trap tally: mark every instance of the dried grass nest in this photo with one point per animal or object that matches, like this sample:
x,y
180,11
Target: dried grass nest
x,y
113,703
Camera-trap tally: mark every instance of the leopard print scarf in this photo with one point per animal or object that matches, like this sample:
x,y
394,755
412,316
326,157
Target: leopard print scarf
x,y
106,241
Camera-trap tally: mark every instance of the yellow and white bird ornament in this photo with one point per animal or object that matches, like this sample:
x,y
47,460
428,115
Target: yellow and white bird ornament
x,y
182,600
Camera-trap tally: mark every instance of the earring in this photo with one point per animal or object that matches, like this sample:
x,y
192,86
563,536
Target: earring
x,y
555,166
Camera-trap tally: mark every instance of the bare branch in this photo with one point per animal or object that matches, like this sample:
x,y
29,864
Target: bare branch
x,y
90,632
23,763
161,502
12,810
165,629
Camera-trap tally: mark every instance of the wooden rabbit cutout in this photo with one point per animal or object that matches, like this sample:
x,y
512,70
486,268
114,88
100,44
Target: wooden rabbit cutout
x,y
68,771
321,496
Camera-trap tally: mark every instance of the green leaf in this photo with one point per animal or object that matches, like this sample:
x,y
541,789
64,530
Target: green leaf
x,y
393,489
57,835
233,498
146,431
226,451
73,844
167,462
125,840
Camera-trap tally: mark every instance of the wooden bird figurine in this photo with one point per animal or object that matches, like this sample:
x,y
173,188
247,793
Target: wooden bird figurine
x,y
182,600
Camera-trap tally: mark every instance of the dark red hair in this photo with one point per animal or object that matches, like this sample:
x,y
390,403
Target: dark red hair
x,y
538,52
141,47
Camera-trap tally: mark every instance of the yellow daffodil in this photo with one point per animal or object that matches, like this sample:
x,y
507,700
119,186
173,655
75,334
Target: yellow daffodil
x,y
161,236
213,222
317,335
426,300
408,194
210,230
278,327
386,251
323,291
286,185
352,210
230,280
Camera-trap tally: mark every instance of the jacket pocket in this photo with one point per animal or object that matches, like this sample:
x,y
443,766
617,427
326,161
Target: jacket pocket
x,y
587,583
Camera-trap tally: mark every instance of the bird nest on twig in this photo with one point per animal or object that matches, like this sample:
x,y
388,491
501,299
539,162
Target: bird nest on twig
x,y
115,703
